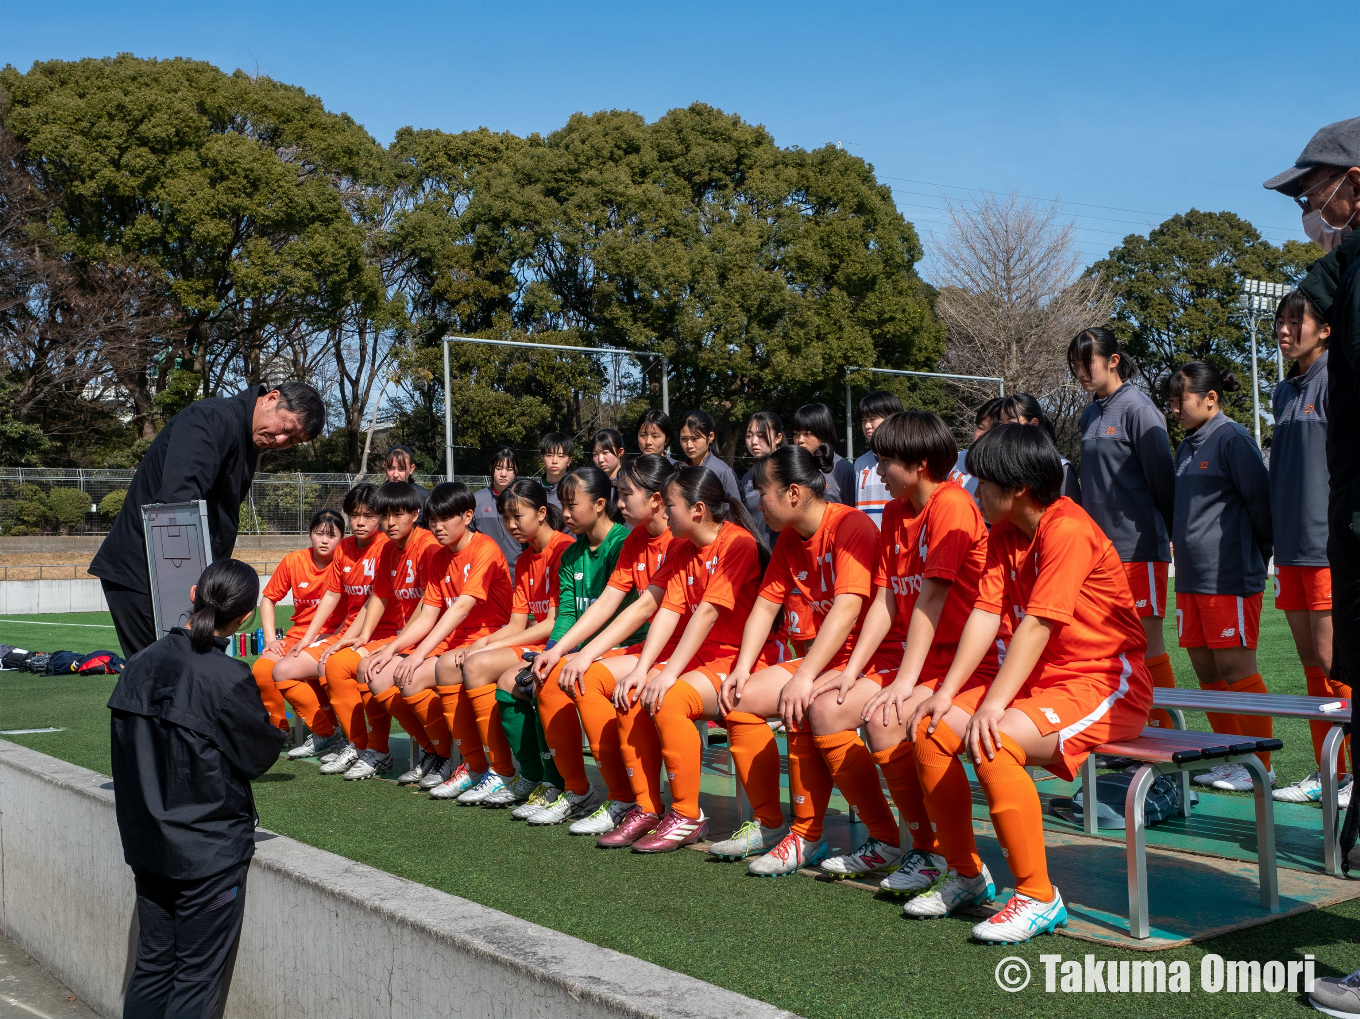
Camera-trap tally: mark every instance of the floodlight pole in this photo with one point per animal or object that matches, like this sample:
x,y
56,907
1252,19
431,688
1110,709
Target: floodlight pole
x,y
849,405
1259,299
448,419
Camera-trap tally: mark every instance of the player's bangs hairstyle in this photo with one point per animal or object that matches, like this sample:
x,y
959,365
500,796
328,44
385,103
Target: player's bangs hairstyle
x,y
658,418
593,483
702,423
450,499
557,442
228,589
1098,342
529,492
1015,456
327,521
1023,405
1201,378
608,439
768,426
794,465
649,472
505,457
701,485
1294,307
879,404
399,457
915,435
817,419
989,411
396,497
363,495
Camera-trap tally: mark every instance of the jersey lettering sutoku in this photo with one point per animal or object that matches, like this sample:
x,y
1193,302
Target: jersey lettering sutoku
x,y
1298,467
537,587
355,570
480,572
725,574
1070,574
488,517
584,574
298,573
1128,475
837,559
402,575
1222,527
871,495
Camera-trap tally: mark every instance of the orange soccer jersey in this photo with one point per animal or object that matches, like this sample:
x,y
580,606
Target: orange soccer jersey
x,y
400,582
537,589
299,573
642,557
478,571
355,570
837,559
725,574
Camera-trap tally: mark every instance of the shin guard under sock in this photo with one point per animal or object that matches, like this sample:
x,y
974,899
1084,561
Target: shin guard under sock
x,y
562,733
948,797
681,747
1017,817
430,710
755,753
1254,726
1163,676
898,765
483,699
601,722
640,747
1218,722
517,722
809,785
852,770
273,698
462,726
300,694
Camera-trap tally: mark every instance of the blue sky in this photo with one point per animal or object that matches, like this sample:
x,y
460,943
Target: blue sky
x,y
1127,112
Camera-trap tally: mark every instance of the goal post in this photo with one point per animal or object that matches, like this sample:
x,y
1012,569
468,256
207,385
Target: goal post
x,y
850,407
563,348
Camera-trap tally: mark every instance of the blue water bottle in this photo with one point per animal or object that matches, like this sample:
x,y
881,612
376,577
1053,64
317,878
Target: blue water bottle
x,y
259,640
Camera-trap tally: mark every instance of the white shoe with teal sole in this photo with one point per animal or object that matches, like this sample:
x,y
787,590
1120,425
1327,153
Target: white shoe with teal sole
x,y
1021,919
953,892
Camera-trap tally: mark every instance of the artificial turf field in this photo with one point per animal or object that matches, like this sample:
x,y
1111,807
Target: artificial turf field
x,y
815,948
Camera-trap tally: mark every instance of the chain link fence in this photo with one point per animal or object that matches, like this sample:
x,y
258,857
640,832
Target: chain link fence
x,y
54,500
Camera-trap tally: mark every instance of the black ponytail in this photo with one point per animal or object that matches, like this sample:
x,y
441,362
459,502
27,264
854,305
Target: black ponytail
x,y
650,472
227,590
531,493
1201,378
1098,342
594,483
794,465
699,484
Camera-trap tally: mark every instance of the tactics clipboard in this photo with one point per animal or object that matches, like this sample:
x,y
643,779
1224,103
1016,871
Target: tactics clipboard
x,y
178,550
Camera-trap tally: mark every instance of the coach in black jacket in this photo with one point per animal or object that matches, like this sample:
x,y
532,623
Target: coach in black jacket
x,y
207,451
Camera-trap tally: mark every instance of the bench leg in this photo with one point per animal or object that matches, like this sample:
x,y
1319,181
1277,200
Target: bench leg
x,y
1135,842
1265,833
1331,846
1088,795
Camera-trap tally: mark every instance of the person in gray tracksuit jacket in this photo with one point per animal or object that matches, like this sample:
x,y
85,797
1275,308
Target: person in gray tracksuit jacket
x,y
1128,483
1221,535
1298,500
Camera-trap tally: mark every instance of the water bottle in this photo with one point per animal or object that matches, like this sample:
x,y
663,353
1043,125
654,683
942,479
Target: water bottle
x,y
259,640
231,649
278,633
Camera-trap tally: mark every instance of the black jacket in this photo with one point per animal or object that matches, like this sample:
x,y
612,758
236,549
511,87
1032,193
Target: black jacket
x,y
204,452
189,732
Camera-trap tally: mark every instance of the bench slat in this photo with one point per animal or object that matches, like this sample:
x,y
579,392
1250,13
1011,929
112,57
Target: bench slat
x,y
1272,704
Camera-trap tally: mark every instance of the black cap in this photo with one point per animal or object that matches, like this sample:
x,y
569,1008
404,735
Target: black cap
x,y
1335,145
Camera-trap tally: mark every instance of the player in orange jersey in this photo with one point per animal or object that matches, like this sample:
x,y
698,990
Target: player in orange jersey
x,y
348,585
487,669
397,592
305,574
1074,675
824,555
931,552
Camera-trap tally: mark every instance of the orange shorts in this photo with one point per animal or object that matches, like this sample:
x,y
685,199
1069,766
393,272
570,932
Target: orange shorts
x,y
288,644
887,660
1148,582
318,647
716,662
462,637
636,649
1218,620
1299,588
364,650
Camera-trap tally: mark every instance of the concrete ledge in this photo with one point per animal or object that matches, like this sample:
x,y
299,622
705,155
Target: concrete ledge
x,y
323,935
45,597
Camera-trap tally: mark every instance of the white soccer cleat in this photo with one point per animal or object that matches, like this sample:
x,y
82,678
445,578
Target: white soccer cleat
x,y
510,792
791,855
315,746
751,839
1305,790
954,892
544,793
490,783
1238,779
370,763
873,855
1213,774
919,870
429,761
605,818
1021,919
437,776
568,804
1343,795
347,758
462,779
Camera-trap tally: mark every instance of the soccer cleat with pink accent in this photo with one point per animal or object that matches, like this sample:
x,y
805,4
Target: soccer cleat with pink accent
x,y
873,855
674,831
635,824
1021,919
791,855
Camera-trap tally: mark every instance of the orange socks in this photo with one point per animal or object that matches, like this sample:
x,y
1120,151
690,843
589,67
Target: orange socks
x,y
1225,724
462,725
809,784
756,756
898,765
605,735
1255,726
263,670
681,747
948,797
346,699
379,721
430,711
483,699
562,730
1320,686
852,770
302,696
1163,676
1017,817
640,747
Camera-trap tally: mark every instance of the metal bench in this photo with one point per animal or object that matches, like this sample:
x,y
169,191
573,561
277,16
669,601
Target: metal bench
x,y
1177,752
1176,702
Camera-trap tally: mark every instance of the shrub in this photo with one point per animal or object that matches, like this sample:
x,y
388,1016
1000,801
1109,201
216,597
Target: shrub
x,y
112,504
66,509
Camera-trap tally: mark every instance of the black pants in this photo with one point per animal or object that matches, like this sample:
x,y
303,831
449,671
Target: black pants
x,y
186,944
133,617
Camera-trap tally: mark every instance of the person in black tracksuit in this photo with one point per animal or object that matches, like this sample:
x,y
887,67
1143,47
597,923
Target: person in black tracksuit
x,y
207,451
188,734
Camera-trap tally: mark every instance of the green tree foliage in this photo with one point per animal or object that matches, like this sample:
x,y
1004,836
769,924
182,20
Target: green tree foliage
x,y
1176,292
34,511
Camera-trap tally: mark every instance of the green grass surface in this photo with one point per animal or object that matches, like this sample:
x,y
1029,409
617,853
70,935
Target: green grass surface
x,y
815,948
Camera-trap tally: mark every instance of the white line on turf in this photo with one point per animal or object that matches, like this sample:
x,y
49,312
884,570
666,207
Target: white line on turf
x,y
34,622
26,732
